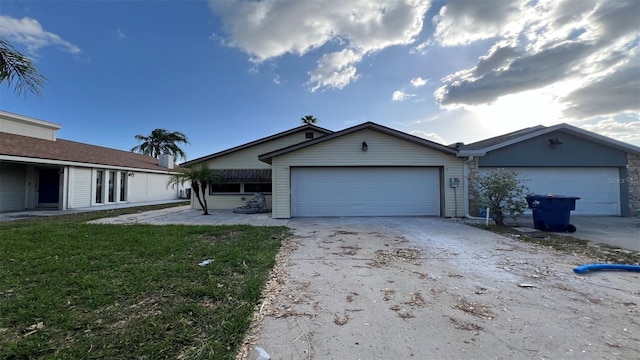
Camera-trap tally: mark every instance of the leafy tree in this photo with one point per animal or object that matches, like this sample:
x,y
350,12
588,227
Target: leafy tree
x,y
160,142
504,195
16,67
200,179
308,120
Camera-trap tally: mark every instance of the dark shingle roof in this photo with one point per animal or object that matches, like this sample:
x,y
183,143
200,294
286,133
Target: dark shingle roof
x,y
65,150
524,134
306,127
501,138
246,175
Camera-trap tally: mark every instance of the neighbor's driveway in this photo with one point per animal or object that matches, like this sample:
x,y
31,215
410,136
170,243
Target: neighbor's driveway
x,y
418,288
613,230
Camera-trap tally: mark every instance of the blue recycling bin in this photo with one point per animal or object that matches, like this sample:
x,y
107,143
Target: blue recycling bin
x,y
552,212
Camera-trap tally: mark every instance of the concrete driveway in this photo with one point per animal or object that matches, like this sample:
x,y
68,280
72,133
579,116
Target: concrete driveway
x,y
617,231
418,288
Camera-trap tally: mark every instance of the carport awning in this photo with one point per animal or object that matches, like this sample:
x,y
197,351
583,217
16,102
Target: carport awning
x,y
245,175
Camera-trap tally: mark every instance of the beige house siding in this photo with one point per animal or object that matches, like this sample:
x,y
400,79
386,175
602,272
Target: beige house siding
x,y
383,150
247,159
150,187
27,127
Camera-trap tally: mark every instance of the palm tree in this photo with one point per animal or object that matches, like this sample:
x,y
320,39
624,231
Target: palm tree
x,y
16,67
200,178
160,142
308,120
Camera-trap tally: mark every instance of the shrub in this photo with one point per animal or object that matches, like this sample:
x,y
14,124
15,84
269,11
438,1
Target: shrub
x,y
502,192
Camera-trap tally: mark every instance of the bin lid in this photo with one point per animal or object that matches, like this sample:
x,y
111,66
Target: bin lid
x,y
551,196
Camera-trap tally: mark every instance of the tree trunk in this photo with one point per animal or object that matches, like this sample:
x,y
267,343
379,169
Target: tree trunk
x,y
196,190
204,199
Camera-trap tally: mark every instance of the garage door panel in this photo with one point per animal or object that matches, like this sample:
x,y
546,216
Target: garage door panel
x,y
598,194
385,191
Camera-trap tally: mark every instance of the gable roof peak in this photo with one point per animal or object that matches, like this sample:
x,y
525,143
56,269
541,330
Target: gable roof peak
x,y
300,128
366,125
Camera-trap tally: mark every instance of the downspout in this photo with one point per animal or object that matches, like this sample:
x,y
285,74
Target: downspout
x,y
466,191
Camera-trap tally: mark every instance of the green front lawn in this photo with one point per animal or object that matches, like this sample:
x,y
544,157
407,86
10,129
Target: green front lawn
x,y
74,290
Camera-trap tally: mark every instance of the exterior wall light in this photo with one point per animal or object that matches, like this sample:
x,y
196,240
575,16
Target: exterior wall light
x,y
131,174
555,141
365,147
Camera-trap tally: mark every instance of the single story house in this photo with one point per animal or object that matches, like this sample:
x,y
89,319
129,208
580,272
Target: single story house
x,y
38,170
364,170
564,160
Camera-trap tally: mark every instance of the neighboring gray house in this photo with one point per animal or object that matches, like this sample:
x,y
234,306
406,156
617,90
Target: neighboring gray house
x,y
38,170
565,160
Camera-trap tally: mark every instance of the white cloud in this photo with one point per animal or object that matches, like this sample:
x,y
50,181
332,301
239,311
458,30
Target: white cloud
x,y
429,136
615,92
582,56
335,70
461,22
29,32
417,82
121,35
400,95
270,28
421,48
623,131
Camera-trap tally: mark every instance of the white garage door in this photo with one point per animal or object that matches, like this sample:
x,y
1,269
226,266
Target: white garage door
x,y
597,189
365,191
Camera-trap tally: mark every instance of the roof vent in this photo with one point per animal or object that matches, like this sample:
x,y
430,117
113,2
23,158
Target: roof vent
x,y
166,161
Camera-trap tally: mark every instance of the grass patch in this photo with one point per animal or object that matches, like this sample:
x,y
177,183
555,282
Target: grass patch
x,y
74,290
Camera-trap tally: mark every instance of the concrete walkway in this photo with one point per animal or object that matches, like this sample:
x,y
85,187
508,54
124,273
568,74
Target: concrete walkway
x,y
29,214
184,215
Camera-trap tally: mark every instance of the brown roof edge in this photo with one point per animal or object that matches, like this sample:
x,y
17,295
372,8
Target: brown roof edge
x,y
257,142
73,152
368,125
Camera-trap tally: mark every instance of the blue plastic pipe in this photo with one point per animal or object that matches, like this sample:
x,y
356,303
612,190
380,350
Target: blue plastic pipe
x,y
595,267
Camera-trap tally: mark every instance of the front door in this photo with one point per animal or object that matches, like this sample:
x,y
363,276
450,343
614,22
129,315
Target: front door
x,y
48,187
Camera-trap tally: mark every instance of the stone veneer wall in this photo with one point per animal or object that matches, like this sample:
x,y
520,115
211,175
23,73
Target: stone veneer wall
x,y
474,206
633,182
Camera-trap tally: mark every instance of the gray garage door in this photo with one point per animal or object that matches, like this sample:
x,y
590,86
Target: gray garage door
x,y
365,191
597,187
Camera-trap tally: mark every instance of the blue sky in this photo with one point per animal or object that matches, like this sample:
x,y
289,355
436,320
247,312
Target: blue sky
x,y
229,72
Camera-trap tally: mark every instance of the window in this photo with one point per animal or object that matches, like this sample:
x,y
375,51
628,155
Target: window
x,y
240,188
308,135
259,187
225,188
99,181
123,186
112,186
